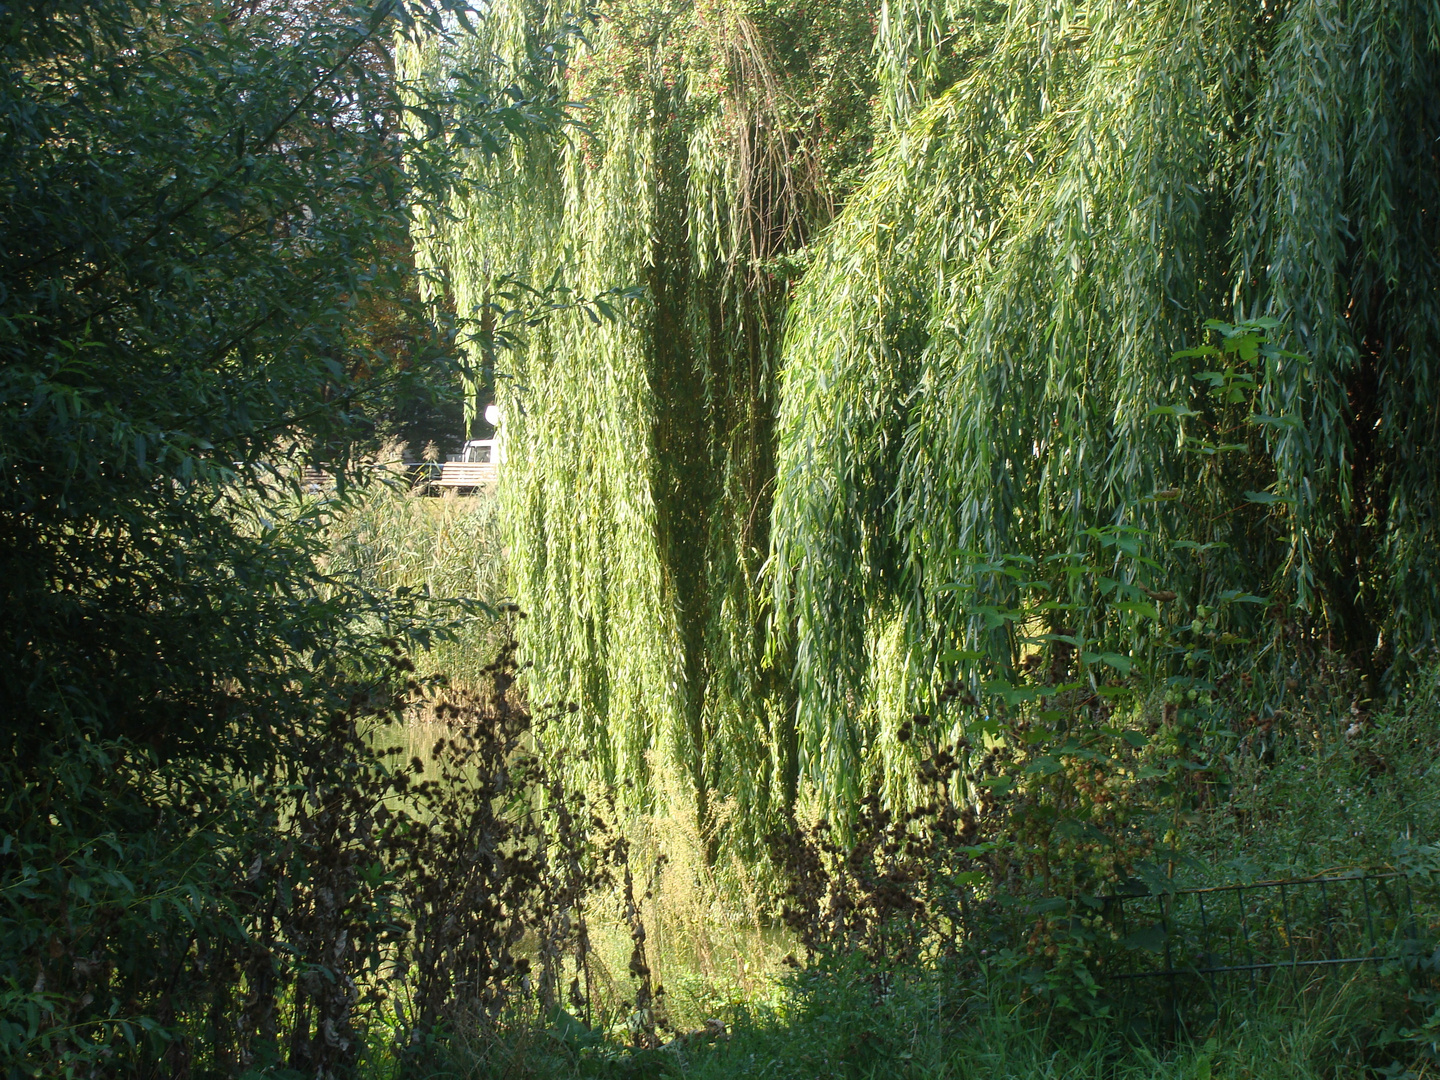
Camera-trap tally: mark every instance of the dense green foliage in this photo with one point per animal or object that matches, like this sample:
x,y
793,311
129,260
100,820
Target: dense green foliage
x,y
986,356
204,281
640,448
987,359
1315,794
871,453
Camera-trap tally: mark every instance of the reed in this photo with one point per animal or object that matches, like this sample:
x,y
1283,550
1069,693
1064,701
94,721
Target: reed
x,y
390,538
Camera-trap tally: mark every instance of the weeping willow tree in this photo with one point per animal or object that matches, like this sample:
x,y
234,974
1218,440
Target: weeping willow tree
x,y
714,139
981,367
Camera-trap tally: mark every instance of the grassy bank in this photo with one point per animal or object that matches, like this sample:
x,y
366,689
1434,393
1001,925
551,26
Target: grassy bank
x,y
835,1026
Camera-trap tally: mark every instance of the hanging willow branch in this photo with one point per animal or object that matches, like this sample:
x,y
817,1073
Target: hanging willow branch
x,y
639,450
982,360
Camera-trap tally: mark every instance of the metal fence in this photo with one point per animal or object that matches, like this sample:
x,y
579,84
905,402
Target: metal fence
x,y
1198,942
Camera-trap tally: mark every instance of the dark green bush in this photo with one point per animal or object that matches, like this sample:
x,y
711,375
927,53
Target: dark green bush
x,y
204,284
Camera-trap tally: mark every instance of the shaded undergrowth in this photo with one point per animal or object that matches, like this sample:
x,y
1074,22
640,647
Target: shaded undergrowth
x,y
914,962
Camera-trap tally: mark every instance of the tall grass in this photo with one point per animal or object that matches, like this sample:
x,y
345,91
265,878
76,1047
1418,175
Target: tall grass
x,y
837,1028
448,548
924,1030
1326,784
708,945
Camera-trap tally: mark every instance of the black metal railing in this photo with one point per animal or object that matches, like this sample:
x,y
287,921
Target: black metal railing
x,y
1204,944
1348,918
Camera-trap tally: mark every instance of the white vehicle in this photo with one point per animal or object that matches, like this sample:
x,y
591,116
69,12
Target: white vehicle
x,y
481,452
